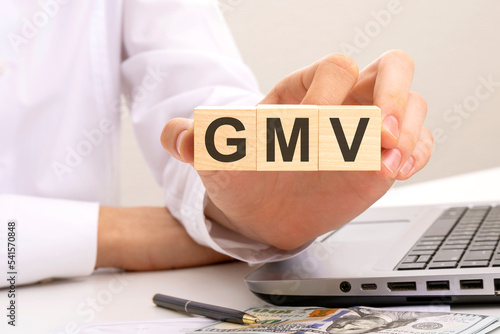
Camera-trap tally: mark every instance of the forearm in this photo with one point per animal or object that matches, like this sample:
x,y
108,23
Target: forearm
x,y
147,238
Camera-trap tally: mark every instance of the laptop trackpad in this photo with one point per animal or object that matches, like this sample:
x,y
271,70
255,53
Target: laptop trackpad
x,y
368,246
370,231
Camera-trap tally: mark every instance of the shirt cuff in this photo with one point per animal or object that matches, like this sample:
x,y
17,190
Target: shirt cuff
x,y
54,238
223,240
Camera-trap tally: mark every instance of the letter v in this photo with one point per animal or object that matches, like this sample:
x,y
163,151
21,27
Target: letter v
x,y
349,154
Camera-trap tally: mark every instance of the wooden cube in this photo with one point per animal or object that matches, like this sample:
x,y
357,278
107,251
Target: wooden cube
x,y
225,138
349,137
287,137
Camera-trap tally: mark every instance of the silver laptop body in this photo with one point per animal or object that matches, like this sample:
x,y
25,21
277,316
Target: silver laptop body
x,y
363,263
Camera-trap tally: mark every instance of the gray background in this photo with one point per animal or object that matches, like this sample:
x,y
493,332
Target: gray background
x,y
455,46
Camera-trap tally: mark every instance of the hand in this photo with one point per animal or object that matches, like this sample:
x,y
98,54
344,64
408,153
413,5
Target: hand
x,y
147,239
287,209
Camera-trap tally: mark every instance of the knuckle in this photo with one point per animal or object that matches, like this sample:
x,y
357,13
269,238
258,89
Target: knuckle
x,y
169,127
420,153
275,95
430,137
166,134
419,99
341,61
400,56
428,142
410,143
424,147
397,104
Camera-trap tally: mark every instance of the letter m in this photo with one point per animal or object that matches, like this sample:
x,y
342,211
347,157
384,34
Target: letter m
x,y
275,129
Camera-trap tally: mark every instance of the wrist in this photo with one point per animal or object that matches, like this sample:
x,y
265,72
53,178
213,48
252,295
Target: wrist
x,y
108,238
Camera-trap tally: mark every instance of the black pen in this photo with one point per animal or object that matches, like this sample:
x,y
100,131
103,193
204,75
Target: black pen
x,y
206,310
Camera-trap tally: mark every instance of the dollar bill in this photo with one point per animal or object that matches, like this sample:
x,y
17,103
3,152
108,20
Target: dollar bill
x,y
357,320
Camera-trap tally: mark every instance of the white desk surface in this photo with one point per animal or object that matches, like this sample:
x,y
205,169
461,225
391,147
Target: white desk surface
x,y
111,296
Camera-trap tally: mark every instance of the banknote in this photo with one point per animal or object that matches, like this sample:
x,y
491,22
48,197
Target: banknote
x,y
357,320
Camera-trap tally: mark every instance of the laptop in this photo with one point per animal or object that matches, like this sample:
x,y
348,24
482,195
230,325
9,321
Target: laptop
x,y
441,254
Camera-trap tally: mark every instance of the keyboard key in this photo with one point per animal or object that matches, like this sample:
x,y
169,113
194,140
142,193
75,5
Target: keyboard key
x,y
432,238
447,255
442,265
441,227
470,220
425,248
493,229
421,252
411,266
477,255
424,258
463,237
481,247
482,243
456,242
473,264
410,259
486,238
456,237
487,234
469,234
471,229
478,210
492,223
453,212
429,243
446,247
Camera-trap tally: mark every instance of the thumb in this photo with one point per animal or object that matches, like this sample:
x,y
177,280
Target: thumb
x,y
177,138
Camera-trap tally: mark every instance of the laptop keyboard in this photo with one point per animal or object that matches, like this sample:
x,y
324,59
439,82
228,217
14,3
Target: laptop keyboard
x,y
461,237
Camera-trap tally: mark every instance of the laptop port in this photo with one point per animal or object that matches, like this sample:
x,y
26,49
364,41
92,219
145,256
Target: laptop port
x,y
438,285
496,282
471,284
368,286
345,286
402,286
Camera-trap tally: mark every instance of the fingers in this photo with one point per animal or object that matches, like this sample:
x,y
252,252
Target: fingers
x,y
386,83
334,80
330,81
391,94
419,157
412,151
326,82
177,138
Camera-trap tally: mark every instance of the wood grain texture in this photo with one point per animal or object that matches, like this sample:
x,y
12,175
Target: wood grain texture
x,y
331,156
288,138
289,116
204,116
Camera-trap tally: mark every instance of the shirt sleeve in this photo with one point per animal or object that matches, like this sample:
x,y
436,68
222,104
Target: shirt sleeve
x,y
179,54
42,229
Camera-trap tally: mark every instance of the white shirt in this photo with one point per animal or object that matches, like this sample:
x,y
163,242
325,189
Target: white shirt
x,y
64,65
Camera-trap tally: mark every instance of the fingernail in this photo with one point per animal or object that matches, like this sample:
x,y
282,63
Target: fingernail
x,y
408,166
178,144
391,159
391,125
